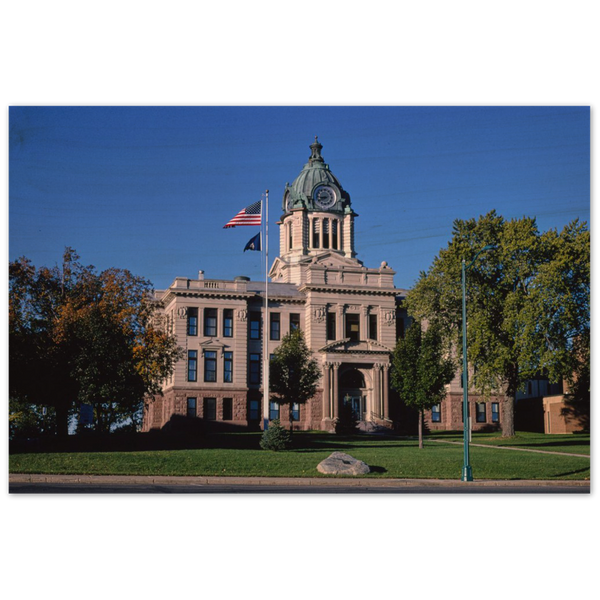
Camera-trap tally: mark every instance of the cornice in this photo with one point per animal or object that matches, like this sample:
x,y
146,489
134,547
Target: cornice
x,y
343,289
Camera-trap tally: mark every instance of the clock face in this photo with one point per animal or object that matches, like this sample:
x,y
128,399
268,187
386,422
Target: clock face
x,y
324,196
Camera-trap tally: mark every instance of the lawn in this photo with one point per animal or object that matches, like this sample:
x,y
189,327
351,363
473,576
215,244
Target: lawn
x,y
576,443
240,455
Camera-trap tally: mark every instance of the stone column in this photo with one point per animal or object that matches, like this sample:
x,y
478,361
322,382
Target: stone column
x,y
364,323
336,399
340,333
376,407
326,391
386,391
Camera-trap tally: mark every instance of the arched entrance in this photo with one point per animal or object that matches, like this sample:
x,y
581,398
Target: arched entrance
x,y
353,391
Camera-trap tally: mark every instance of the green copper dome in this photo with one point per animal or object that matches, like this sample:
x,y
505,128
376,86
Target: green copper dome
x,y
316,188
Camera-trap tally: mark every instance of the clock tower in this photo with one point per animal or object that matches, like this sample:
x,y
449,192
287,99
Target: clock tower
x,y
317,218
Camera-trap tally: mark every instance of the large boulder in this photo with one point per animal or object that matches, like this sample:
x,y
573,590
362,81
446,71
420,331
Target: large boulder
x,y
340,463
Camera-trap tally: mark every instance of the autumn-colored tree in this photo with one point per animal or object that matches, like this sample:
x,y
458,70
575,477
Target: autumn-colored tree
x,y
77,336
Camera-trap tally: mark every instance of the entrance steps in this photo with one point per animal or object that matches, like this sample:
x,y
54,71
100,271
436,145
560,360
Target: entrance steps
x,y
374,427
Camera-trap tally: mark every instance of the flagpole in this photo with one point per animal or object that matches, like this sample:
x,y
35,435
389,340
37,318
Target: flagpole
x,y
266,323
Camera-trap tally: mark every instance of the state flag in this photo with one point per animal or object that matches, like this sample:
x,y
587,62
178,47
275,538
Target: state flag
x,y
254,243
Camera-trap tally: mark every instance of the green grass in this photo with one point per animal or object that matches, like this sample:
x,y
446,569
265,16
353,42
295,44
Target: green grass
x,y
240,455
576,443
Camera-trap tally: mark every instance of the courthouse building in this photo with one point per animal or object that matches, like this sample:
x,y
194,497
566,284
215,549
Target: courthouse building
x,y
349,313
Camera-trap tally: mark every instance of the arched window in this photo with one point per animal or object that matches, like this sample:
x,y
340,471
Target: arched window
x,y
334,234
316,233
352,379
325,233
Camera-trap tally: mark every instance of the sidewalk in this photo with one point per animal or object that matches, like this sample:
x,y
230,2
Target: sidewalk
x,y
510,448
284,481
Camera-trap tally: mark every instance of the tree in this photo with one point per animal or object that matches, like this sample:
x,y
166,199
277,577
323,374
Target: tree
x,y
39,370
275,437
77,336
293,373
420,370
528,302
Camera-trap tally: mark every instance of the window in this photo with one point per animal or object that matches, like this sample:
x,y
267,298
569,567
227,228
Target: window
x,y
290,236
436,415
192,321
315,233
227,409
210,322
275,326
373,326
353,327
334,235
210,365
325,233
495,412
192,365
191,407
228,322
273,410
228,367
254,415
294,321
210,409
331,329
255,326
254,368
480,414
295,412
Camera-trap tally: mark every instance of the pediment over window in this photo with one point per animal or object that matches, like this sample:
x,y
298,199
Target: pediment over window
x,y
334,260
214,345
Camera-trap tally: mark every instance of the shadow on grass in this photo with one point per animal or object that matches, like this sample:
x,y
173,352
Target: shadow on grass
x,y
576,472
143,442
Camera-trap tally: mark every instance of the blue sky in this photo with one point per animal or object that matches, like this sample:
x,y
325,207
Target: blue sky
x,y
150,188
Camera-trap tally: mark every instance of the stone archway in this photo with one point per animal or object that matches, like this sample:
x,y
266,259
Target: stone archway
x,y
354,390
364,382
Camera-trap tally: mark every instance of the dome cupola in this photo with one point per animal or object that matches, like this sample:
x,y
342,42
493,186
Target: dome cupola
x,y
317,217
316,188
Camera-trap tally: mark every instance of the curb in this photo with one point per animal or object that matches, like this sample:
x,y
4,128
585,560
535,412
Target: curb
x,y
284,481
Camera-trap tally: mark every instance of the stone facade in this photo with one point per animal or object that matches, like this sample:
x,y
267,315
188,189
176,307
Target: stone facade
x,y
348,313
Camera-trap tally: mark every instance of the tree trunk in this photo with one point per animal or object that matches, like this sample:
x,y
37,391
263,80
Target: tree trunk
x,y
421,428
291,420
508,422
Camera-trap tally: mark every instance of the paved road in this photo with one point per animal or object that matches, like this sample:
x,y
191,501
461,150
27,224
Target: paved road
x,y
79,484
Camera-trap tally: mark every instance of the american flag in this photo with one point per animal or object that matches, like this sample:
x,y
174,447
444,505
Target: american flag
x,y
251,215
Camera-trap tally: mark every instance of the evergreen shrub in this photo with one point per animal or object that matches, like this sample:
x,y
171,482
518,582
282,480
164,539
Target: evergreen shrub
x,y
275,437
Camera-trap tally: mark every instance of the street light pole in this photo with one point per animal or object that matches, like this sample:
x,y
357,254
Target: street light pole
x,y
467,471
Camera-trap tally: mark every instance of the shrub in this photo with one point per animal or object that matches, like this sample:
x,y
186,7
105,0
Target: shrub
x,y
275,437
